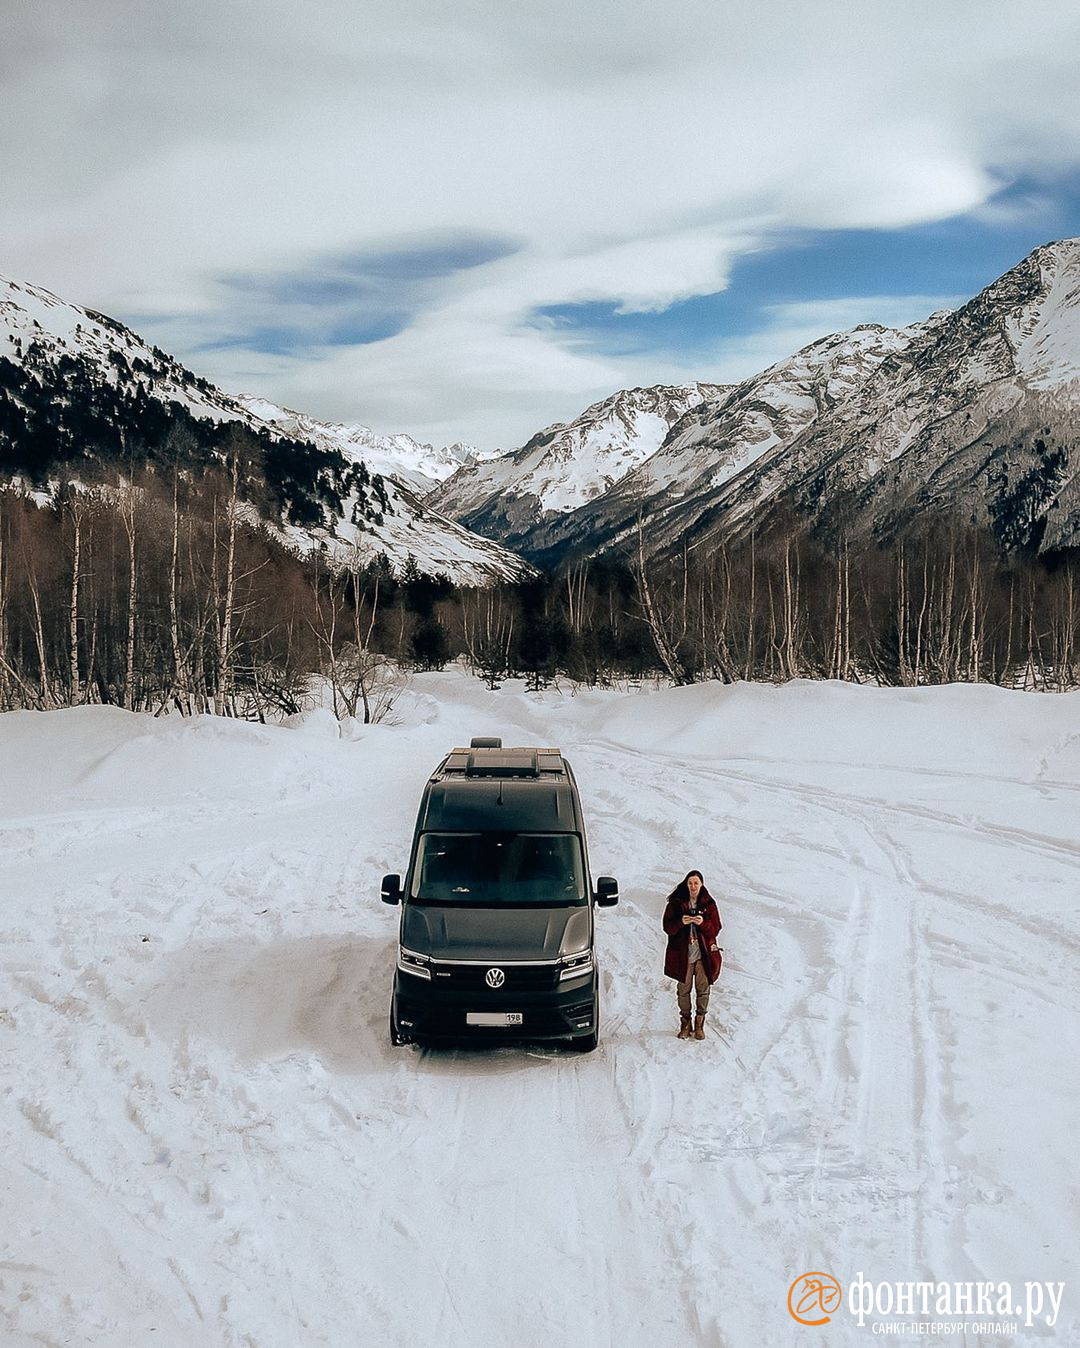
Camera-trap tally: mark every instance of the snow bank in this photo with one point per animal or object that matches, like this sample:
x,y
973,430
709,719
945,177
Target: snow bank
x,y
207,1139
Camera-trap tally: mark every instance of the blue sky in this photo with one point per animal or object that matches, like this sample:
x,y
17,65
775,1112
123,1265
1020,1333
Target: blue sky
x,y
370,296
951,259
467,222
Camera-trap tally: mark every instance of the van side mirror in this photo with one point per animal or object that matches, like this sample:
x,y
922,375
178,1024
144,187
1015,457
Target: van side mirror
x,y
391,889
607,891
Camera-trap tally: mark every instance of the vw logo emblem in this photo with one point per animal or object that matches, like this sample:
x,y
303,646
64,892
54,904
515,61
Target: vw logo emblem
x,y
494,978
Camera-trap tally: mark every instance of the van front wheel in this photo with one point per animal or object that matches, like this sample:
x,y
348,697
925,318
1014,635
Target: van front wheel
x,y
586,1043
396,1037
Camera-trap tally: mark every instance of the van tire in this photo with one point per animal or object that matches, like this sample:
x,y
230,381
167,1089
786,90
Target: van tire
x,y
586,1043
396,1037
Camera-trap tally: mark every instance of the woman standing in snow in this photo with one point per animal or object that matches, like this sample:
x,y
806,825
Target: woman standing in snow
x,y
692,922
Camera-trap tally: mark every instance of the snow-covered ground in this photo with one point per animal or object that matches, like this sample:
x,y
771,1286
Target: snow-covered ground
x,y
207,1138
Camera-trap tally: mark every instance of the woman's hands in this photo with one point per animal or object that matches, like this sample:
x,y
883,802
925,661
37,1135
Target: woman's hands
x,y
696,919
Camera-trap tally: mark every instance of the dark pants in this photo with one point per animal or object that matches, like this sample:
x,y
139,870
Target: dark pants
x,y
696,975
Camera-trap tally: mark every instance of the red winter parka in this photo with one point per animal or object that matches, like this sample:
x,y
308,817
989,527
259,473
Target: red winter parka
x,y
677,957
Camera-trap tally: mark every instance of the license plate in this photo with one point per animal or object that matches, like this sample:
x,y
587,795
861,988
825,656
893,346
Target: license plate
x,y
499,1018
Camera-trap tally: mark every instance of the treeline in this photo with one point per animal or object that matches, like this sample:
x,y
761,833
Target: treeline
x,y
942,605
945,605
154,593
171,593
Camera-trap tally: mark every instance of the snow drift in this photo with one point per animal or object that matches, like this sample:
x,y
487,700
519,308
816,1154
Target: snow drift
x,y
207,1138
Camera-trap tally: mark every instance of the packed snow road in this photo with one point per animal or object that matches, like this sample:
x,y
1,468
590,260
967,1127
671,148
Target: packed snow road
x,y
207,1138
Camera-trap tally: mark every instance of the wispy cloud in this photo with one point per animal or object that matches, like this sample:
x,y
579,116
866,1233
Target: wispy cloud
x,y
292,192
346,300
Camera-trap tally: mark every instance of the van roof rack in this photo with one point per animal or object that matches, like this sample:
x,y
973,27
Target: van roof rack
x,y
483,761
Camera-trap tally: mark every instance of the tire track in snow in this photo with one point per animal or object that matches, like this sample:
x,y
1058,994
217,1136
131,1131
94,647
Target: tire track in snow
x,y
653,1182
874,959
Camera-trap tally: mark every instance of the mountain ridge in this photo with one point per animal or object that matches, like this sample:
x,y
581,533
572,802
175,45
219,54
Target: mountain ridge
x,y
567,464
80,393
966,414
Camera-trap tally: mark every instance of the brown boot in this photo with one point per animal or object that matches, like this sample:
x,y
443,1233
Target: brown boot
x,y
699,1027
684,1028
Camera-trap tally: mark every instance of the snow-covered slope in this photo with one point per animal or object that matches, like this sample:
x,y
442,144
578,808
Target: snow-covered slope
x,y
967,415
1043,324
30,315
569,464
973,419
207,1139
409,528
65,354
420,467
714,443
724,437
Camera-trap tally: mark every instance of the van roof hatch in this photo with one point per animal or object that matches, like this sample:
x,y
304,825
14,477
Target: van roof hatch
x,y
503,763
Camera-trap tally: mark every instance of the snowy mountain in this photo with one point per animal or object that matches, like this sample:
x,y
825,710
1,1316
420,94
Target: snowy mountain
x,y
967,415
971,417
408,528
34,322
80,394
564,467
418,466
724,437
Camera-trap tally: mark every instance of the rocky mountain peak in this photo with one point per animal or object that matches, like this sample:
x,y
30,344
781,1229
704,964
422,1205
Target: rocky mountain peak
x,y
568,463
964,414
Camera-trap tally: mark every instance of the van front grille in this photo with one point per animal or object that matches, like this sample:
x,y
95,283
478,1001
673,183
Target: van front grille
x,y
516,977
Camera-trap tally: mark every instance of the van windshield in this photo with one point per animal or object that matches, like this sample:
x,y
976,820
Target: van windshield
x,y
499,868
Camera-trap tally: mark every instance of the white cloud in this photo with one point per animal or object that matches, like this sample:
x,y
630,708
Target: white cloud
x,y
635,152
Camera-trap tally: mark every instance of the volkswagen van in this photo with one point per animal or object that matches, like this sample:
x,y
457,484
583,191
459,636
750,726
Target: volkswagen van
x,y
496,938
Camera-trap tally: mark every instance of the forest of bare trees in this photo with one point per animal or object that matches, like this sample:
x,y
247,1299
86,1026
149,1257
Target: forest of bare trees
x,y
943,605
156,596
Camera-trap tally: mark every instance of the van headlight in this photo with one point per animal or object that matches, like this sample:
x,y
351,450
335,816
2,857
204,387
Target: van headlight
x,y
409,962
574,966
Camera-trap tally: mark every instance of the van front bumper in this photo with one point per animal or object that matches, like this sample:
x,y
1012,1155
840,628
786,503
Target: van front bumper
x,y
430,1012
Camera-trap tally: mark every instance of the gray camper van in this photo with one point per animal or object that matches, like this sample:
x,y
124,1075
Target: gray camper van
x,y
496,936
